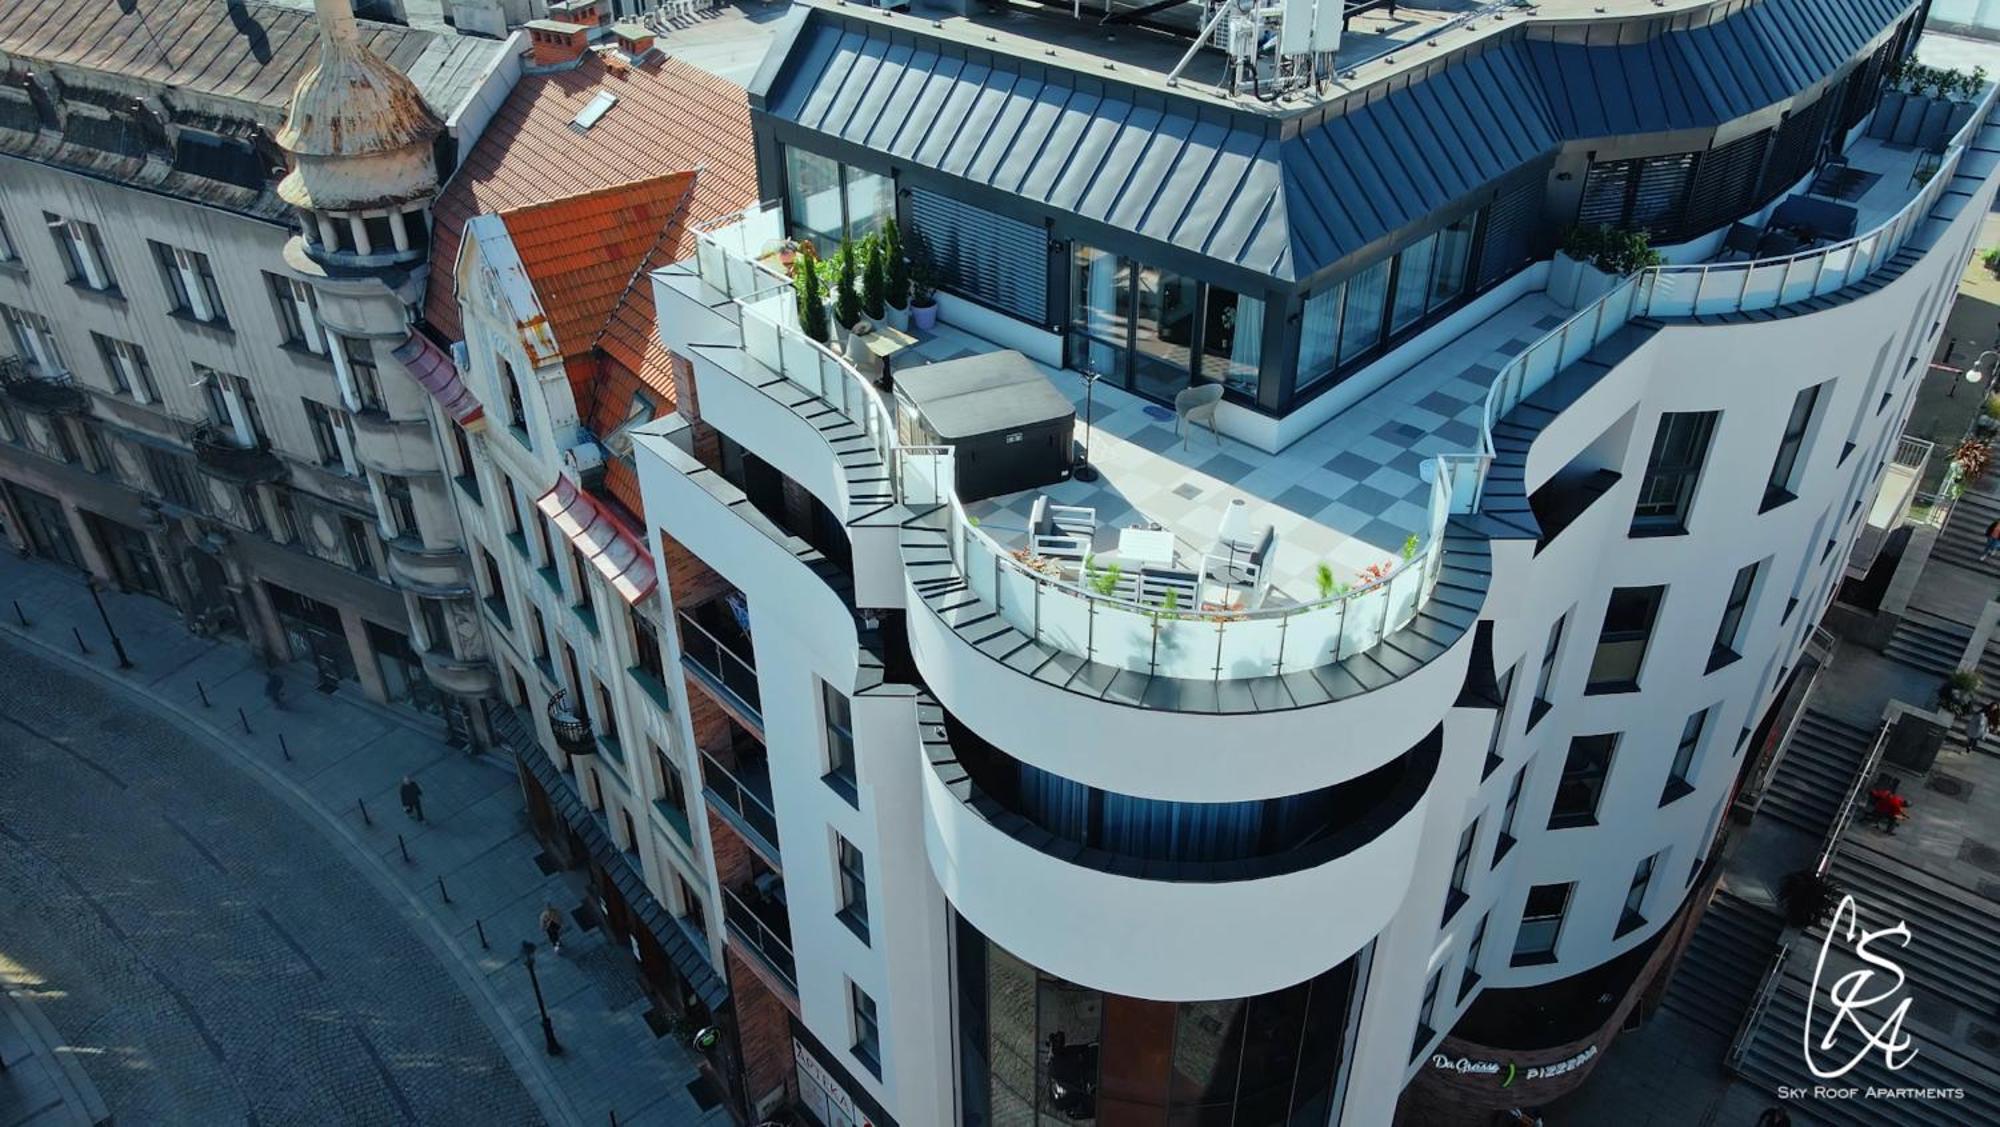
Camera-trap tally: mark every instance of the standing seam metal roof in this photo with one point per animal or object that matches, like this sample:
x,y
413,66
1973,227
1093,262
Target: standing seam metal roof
x,y
1253,191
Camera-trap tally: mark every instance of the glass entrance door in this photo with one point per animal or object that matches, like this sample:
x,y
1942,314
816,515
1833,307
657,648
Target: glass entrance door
x,y
1153,331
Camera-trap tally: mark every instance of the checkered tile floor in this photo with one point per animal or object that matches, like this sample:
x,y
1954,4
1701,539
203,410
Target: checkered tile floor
x,y
1348,494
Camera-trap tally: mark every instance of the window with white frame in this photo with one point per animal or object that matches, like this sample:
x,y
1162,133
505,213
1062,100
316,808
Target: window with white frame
x,y
82,249
1680,774
126,365
190,282
1633,915
298,313
402,507
853,887
867,1029
33,342
1541,924
1729,631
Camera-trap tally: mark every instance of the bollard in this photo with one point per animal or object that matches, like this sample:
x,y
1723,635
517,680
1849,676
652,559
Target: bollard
x,y
365,819
404,848
244,720
284,747
19,615
203,690
442,894
80,647
480,927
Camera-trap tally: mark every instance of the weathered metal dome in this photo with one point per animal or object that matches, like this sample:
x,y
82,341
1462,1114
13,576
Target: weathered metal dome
x,y
358,130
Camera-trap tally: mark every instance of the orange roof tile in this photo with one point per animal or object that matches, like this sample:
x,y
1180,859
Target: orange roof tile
x,y
671,116
581,253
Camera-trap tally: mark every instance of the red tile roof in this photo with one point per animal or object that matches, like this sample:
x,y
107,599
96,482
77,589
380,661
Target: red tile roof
x,y
670,117
582,253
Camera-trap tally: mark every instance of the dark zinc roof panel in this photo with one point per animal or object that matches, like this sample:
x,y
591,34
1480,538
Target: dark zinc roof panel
x,y
1220,182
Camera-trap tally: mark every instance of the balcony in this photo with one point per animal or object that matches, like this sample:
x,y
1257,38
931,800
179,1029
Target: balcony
x,y
713,648
572,732
757,918
43,392
218,452
736,778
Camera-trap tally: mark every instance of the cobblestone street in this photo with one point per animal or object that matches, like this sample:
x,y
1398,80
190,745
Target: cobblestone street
x,y
208,954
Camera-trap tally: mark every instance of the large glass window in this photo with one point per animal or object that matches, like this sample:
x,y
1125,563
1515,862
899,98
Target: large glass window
x,y
1413,282
1454,254
1785,467
1232,339
1680,774
1582,782
1541,924
1319,338
1098,300
870,200
1673,469
1621,645
1635,895
812,198
1728,632
1037,1051
1163,334
1361,317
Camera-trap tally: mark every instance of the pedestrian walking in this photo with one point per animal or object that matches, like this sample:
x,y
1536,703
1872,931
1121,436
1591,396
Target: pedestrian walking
x,y
1992,541
552,926
274,690
1978,723
413,798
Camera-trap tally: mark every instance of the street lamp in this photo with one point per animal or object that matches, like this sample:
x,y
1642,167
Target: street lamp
x,y
117,646
1981,368
548,1027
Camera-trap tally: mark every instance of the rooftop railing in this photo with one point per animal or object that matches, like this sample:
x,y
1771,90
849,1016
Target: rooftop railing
x,y
1730,287
1196,642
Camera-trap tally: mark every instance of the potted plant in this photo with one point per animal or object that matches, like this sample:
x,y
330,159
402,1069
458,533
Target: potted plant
x,y
788,253
846,289
1593,260
1972,457
874,280
923,284
1960,692
898,297
1991,260
1809,898
806,284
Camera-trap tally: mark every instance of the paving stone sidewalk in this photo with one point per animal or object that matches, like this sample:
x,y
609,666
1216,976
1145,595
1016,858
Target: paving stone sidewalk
x,y
338,753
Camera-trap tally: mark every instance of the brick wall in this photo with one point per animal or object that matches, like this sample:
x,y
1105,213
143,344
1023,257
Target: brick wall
x,y
763,1035
691,581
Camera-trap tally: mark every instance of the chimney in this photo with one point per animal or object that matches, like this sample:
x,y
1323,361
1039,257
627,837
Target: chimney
x,y
576,11
634,39
556,45
336,23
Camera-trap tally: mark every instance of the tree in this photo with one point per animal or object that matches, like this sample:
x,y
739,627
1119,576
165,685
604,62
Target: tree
x,y
899,267
846,300
812,299
874,279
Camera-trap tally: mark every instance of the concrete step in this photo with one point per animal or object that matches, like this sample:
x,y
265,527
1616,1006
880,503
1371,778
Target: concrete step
x,y
1955,944
1731,949
1818,767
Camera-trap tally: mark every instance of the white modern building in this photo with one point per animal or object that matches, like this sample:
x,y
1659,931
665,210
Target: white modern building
x,y
1332,767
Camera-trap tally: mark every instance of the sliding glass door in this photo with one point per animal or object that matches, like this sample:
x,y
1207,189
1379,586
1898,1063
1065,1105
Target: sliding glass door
x,y
1153,331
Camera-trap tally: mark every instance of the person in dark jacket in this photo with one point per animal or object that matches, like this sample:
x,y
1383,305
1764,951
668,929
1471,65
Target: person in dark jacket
x,y
552,926
413,798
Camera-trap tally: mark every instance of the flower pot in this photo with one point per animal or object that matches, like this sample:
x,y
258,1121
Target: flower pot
x,y
1909,120
899,319
1575,284
1883,125
923,315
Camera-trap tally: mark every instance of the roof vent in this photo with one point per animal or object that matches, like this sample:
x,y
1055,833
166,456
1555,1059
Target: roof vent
x,y
592,113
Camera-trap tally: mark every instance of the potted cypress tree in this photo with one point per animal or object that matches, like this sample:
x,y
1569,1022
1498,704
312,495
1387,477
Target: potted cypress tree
x,y
874,280
812,299
898,297
923,284
846,290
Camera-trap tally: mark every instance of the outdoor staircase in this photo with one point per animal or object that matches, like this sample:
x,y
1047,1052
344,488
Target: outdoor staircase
x,y
1964,534
1928,642
1818,768
1717,976
1953,968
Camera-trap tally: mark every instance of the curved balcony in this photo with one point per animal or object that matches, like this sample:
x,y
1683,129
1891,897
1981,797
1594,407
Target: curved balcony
x,y
1215,929
47,394
1729,288
572,732
459,677
403,447
1103,623
437,572
220,455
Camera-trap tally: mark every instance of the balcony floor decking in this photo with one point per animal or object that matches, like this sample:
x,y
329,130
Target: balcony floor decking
x,y
1348,494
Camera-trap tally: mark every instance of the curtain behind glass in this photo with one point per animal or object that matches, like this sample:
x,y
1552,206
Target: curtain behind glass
x,y
812,199
1454,250
1232,343
1361,320
1413,282
1094,312
869,202
1319,337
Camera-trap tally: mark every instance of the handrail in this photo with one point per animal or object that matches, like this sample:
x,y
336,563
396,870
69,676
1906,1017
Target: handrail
x,y
1912,453
921,478
1654,291
755,932
1767,988
1844,814
748,693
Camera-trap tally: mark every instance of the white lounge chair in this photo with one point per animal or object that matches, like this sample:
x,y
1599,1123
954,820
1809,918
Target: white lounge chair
x,y
1061,532
1196,405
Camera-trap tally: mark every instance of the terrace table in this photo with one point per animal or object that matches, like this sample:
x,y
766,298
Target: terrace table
x,y
1146,546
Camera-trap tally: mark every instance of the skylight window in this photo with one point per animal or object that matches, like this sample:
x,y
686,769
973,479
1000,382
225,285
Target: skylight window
x,y
592,113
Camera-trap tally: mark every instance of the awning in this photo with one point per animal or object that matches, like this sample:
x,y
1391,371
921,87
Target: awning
x,y
691,962
432,367
614,550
